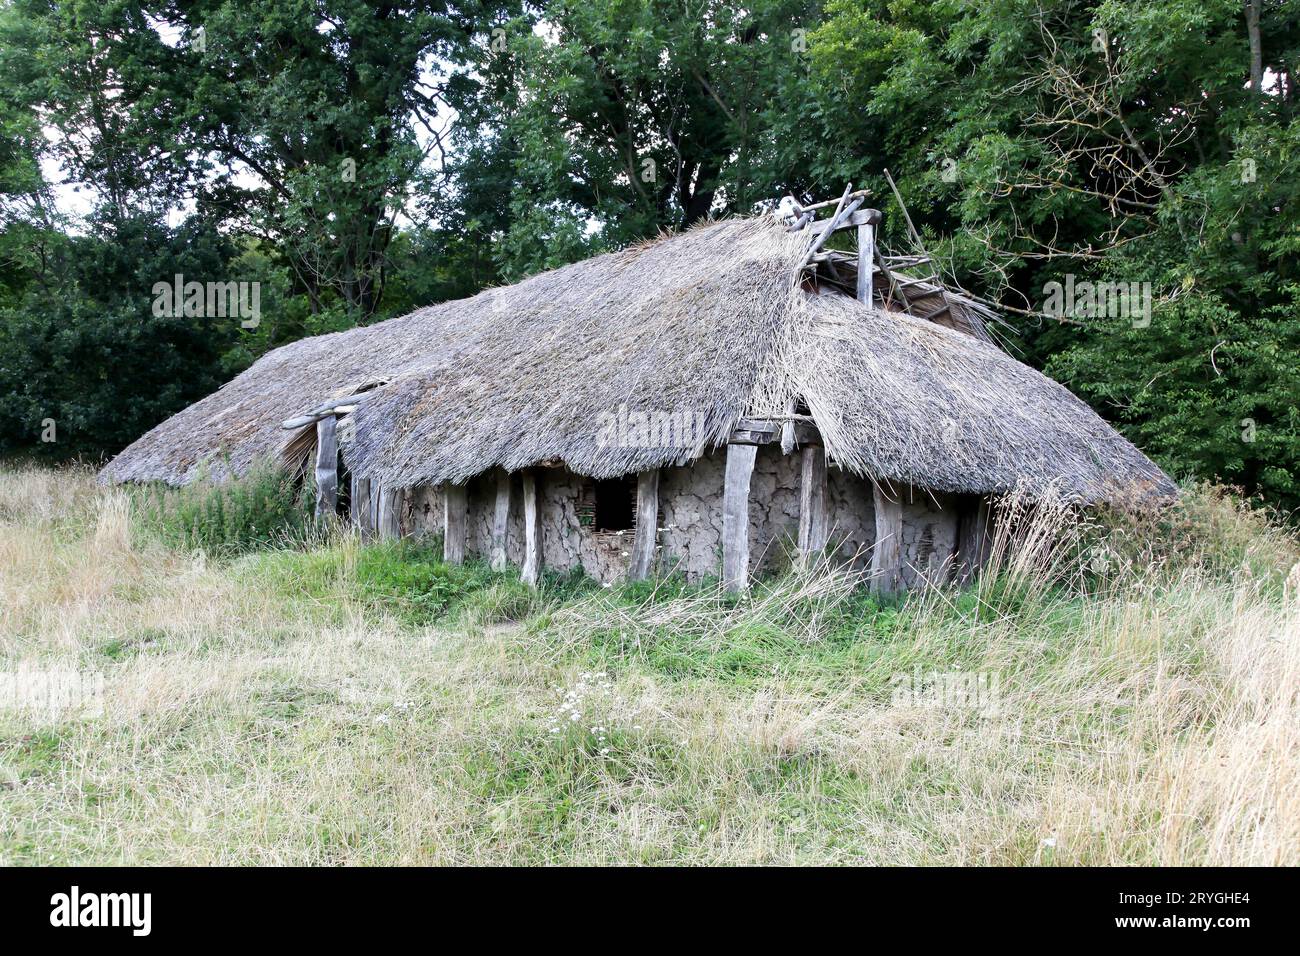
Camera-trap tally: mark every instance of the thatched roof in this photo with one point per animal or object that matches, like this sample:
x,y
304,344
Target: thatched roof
x,y
712,323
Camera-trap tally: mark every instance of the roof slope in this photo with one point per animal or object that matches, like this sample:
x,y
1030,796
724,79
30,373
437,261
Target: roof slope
x,y
709,325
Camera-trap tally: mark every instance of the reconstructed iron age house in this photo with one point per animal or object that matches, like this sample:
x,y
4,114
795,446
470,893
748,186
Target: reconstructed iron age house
x,y
712,403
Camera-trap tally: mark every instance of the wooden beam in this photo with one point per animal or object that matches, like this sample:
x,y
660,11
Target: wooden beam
x,y
647,525
972,540
501,521
866,261
454,517
390,512
887,555
812,503
362,513
760,431
531,571
862,217
837,221
860,193
787,427
327,466
735,516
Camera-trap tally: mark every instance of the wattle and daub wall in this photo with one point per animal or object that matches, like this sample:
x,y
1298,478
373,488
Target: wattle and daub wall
x,y
690,520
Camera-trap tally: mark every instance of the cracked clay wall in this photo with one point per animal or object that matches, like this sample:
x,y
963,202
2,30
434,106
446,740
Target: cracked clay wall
x,y
690,521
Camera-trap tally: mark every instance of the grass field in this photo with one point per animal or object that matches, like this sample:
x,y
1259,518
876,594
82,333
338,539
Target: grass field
x,y
326,702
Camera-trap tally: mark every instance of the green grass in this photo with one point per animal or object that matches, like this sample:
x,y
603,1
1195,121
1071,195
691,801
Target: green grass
x,y
324,701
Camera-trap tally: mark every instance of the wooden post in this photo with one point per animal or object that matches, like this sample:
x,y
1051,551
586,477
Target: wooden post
x,y
390,512
501,521
327,466
647,525
972,540
454,517
362,513
866,260
787,427
532,567
376,495
887,555
812,502
735,516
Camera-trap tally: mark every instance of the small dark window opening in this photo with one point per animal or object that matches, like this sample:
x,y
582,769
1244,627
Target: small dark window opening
x,y
615,505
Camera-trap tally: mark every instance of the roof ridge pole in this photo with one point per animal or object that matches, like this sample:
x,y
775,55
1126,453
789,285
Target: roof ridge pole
x,y
735,516
327,466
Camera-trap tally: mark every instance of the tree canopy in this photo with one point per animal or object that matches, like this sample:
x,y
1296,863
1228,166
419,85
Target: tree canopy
x,y
359,159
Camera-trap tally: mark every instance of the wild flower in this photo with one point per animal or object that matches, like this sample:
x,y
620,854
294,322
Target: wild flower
x,y
592,706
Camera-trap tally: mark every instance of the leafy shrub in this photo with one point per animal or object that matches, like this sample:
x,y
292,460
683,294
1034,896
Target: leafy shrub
x,y
1210,528
265,508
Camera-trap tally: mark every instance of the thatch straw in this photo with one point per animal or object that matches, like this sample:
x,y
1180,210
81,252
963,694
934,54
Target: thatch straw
x,y
711,323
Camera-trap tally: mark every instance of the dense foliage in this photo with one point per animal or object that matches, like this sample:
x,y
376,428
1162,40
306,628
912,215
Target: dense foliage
x,y
358,159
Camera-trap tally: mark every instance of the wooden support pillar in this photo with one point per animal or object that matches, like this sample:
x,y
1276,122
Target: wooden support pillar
x,y
647,525
501,522
362,514
327,466
812,502
866,260
390,512
454,516
735,516
787,427
376,491
531,571
972,540
887,555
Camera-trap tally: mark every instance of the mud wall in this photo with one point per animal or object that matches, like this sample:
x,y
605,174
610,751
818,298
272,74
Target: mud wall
x,y
689,529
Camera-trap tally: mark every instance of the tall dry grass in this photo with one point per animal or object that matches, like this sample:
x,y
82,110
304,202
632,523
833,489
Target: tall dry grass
x,y
1147,709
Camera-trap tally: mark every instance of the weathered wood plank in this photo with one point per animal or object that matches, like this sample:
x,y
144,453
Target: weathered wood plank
x,y
647,525
327,466
362,512
866,261
764,432
532,567
391,501
455,512
376,491
812,503
501,521
973,540
735,516
887,555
